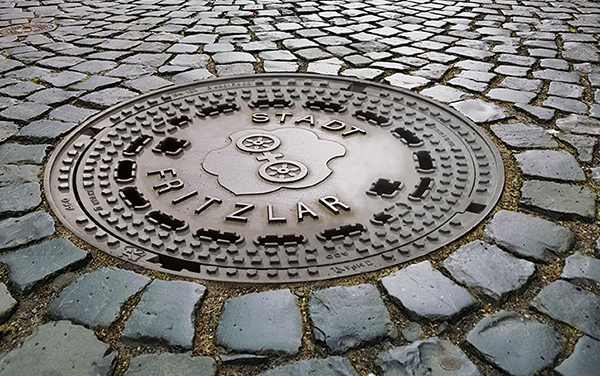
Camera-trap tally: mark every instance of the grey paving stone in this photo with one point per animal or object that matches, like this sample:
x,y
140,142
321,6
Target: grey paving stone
x,y
525,61
511,70
7,303
233,57
7,129
521,135
330,366
46,129
192,75
59,348
476,75
565,90
552,164
577,51
431,356
195,61
167,364
407,81
543,114
432,71
324,67
16,175
6,102
71,114
182,48
474,65
8,65
63,79
147,60
445,94
583,144
580,267
236,69
363,73
358,60
554,64
259,46
468,84
556,75
579,124
568,303
558,199
312,54
108,97
54,96
26,111
34,264
21,89
118,44
166,312
95,298
426,292
96,83
487,270
566,104
147,83
22,230
519,345
60,62
584,360
346,317
28,73
18,154
261,322
480,111
130,71
94,66
522,84
528,236
509,95
280,66
470,53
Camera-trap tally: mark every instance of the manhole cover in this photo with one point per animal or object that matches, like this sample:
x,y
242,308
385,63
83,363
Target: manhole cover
x,y
27,29
274,178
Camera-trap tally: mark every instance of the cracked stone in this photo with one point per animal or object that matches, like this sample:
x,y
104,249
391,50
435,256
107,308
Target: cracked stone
x,y
60,62
363,73
446,94
277,55
577,51
432,356
330,366
94,66
508,95
324,68
59,348
469,84
432,71
346,317
565,104
522,84
261,322
527,236
7,304
580,267
521,135
487,270
517,344
426,292
552,164
130,72
470,53
22,230
579,124
166,311
406,81
561,200
480,111
543,114
108,97
7,129
568,303
21,89
96,83
95,298
511,70
233,57
583,144
312,54
63,79
556,75
170,364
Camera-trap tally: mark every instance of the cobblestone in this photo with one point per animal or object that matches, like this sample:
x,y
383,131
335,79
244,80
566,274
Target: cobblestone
x,y
551,164
22,230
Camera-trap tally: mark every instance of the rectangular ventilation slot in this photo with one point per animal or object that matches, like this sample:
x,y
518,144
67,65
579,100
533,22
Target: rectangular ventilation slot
x,y
133,198
356,87
280,239
342,232
179,121
217,109
277,103
166,221
325,106
175,264
421,189
475,208
218,236
407,137
424,160
372,117
125,171
137,145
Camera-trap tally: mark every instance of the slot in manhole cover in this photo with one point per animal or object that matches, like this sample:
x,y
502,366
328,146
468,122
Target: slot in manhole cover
x,y
274,178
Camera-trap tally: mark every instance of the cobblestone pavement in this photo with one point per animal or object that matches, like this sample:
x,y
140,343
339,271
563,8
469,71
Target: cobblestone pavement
x,y
519,295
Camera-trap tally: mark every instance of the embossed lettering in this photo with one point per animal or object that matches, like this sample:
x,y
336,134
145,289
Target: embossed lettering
x,y
334,125
332,203
307,119
305,210
186,196
283,116
133,254
209,202
272,218
260,117
236,215
354,130
169,186
162,173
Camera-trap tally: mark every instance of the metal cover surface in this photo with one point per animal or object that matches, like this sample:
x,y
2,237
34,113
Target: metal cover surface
x,y
274,178
27,29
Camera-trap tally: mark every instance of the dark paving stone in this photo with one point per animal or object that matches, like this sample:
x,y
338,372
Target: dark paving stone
x,y
167,364
480,111
108,97
166,312
567,105
552,164
71,114
577,51
26,111
543,114
559,199
28,73
236,69
130,72
53,96
7,304
22,230
46,129
147,83
509,95
579,124
528,236
63,79
21,89
7,129
18,198
445,94
59,348
584,145
330,366
15,175
17,154
432,356
518,345
192,75
584,360
96,83
572,305
60,62
406,81
556,75
8,65
487,270
34,264
261,322
521,135
147,60
580,267
426,292
95,66
95,298
346,317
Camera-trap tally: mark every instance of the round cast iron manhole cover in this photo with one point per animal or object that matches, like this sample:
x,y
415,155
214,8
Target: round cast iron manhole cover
x,y
274,178
27,29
